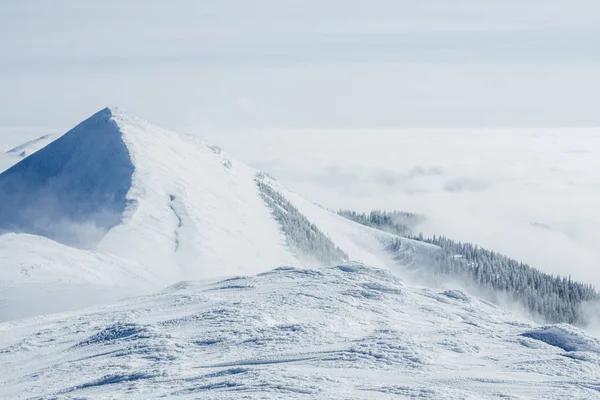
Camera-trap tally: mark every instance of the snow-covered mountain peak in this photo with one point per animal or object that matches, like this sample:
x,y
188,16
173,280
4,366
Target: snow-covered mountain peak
x,y
112,111
123,185
170,203
72,190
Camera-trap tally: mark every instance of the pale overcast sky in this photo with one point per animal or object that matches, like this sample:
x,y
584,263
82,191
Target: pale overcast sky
x,y
309,63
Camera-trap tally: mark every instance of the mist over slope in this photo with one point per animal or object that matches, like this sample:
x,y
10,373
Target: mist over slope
x,y
528,192
40,276
491,275
73,189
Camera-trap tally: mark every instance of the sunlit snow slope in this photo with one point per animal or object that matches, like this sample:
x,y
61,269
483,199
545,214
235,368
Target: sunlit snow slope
x,y
346,332
164,206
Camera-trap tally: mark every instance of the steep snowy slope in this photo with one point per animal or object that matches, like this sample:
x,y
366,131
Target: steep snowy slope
x,y
163,205
165,200
347,332
192,206
72,190
362,243
13,155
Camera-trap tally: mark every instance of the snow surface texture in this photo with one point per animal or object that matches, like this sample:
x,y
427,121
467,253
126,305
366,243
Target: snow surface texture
x,y
165,207
347,332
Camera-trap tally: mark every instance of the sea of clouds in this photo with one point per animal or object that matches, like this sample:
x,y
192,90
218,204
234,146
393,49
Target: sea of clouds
x,y
531,193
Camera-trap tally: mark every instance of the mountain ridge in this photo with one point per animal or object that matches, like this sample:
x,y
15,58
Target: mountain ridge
x,y
163,203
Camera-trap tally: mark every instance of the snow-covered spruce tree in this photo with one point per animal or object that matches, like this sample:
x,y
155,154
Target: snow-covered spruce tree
x,y
496,276
552,297
397,222
303,237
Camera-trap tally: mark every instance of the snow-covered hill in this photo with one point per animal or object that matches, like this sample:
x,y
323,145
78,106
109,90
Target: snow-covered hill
x,y
347,332
164,206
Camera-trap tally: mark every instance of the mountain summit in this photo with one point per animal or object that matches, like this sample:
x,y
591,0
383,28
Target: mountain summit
x,y
72,190
171,206
118,184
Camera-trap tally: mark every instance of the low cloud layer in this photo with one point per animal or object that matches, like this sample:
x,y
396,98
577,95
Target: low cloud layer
x,y
529,193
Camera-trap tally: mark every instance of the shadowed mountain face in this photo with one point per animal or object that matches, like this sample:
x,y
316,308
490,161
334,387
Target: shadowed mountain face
x,y
73,190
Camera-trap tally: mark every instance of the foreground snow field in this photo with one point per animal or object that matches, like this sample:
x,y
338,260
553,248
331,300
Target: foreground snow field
x,y
347,332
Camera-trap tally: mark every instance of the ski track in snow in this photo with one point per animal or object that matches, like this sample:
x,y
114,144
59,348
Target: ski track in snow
x,y
349,332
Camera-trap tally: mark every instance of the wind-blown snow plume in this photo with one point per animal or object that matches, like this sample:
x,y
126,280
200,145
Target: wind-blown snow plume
x,y
73,190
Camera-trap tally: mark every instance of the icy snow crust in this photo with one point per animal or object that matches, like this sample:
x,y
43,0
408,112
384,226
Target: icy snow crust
x,y
565,337
344,332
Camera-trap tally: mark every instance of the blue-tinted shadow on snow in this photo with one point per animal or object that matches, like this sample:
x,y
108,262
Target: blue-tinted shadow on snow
x,y
565,337
73,190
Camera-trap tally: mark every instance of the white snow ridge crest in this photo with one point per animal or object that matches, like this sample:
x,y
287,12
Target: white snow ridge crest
x,y
118,207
